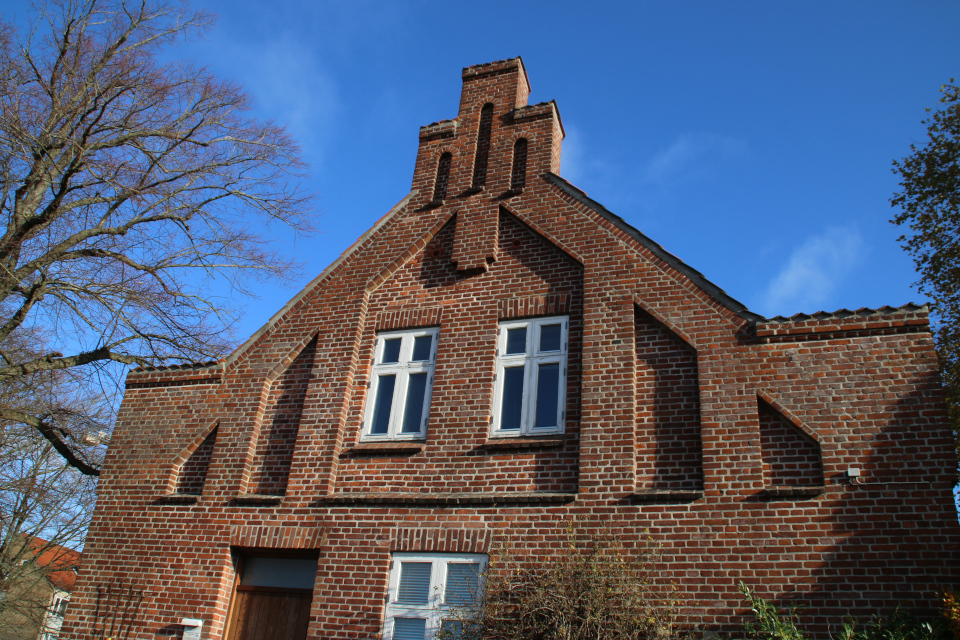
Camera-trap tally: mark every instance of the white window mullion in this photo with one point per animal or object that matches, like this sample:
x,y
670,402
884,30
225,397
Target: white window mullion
x,y
399,401
529,394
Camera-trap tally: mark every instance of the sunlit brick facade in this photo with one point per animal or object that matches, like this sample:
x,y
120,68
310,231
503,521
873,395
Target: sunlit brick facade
x,y
727,436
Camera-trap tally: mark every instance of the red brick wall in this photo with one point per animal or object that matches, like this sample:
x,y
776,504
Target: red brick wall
x,y
864,385
193,472
790,457
668,409
457,456
281,422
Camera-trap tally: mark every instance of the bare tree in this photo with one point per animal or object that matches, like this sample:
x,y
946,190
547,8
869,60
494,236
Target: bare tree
x,y
129,186
45,508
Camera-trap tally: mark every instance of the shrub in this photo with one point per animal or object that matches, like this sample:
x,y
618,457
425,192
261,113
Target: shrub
x,y
899,625
593,587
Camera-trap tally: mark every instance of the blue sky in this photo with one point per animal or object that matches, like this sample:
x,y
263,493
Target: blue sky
x,y
752,139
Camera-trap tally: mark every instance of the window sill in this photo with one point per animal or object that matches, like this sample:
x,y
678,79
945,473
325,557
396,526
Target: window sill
x,y
257,500
177,498
535,442
783,492
667,495
455,499
385,448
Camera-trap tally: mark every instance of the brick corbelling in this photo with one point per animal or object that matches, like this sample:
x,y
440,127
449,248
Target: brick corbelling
x,y
538,110
528,306
183,382
440,540
207,373
276,537
905,321
443,128
834,333
510,65
408,317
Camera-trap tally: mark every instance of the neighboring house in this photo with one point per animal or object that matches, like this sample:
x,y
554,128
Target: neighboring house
x,y
37,592
496,355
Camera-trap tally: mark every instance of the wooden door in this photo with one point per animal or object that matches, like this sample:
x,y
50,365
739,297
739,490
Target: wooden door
x,y
270,614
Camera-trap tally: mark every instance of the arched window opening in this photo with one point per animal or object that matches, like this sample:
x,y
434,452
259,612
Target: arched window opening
x,y
483,146
519,178
443,177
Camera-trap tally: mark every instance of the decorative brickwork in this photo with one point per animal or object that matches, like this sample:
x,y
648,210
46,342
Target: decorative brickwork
x,y
276,537
790,456
193,473
408,317
724,436
281,422
519,174
440,540
668,409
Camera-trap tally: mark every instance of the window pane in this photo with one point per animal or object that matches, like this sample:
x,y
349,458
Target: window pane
x,y
512,402
391,350
409,629
414,585
550,337
422,347
381,410
517,340
289,573
463,581
548,388
413,412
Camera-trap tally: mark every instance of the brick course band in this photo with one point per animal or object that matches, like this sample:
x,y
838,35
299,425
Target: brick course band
x,y
446,540
281,537
408,318
555,305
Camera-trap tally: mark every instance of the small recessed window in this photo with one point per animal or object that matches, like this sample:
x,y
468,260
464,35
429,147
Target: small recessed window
x,y
518,178
530,394
443,177
400,387
483,146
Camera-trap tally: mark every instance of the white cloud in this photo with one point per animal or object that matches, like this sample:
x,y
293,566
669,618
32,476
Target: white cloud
x,y
691,156
813,272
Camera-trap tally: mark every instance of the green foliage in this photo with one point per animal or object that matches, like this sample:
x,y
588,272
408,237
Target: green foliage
x,y
592,587
899,625
929,200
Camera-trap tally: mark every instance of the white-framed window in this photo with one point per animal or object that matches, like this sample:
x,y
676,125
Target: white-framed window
x,y
59,606
426,588
530,395
398,402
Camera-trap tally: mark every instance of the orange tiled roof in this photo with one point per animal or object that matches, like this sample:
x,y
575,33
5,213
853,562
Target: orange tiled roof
x,y
60,559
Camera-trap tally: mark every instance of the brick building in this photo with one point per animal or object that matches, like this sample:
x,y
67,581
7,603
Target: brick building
x,y
497,354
